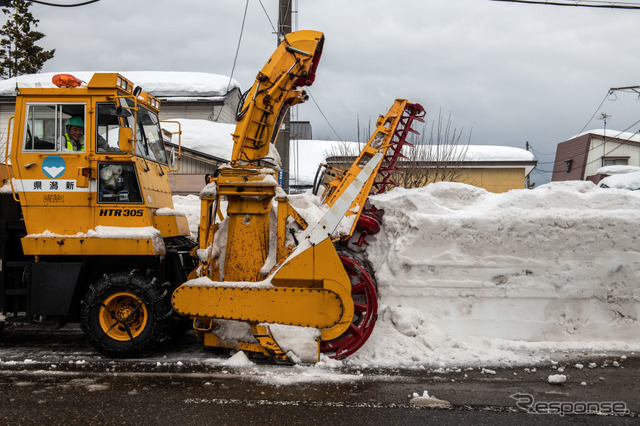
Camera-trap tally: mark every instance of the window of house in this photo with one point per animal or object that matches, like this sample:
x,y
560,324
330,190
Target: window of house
x,y
118,183
615,161
45,127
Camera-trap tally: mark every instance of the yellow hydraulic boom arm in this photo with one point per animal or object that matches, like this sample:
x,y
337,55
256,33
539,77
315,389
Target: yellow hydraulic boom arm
x,y
292,65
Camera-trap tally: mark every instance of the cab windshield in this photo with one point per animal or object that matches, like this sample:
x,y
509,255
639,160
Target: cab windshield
x,y
149,143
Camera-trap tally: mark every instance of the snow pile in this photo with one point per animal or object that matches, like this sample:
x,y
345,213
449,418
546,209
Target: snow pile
x,y
621,177
426,400
467,277
627,180
189,206
556,264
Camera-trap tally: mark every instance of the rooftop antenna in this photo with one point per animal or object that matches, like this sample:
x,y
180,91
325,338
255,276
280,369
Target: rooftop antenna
x,y
604,117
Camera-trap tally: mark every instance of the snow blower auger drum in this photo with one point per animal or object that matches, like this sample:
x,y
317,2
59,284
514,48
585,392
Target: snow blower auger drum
x,y
365,309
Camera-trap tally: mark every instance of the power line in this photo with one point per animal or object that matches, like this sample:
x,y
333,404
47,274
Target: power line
x,y
324,116
268,17
596,111
538,152
582,3
8,3
592,148
233,68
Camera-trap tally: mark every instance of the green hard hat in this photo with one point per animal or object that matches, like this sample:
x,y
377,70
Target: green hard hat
x,y
75,121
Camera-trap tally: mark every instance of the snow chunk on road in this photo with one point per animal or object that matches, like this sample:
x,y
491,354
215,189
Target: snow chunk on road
x,y
557,379
425,400
239,359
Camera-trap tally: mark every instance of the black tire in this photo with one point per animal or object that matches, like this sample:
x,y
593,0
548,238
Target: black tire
x,y
126,315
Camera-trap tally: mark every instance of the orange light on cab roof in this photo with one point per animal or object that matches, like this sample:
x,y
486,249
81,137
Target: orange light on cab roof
x,y
66,80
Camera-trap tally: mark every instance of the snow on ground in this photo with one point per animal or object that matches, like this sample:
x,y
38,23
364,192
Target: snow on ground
x,y
471,278
628,180
189,205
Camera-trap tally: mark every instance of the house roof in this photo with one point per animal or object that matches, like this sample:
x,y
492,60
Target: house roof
x,y
610,133
163,84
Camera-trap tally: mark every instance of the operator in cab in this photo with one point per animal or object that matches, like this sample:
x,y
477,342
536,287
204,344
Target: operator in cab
x,y
74,136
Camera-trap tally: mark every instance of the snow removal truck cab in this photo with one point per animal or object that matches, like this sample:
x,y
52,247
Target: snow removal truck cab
x,y
87,230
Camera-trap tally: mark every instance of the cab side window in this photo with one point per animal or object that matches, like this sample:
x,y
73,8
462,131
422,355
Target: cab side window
x,y
54,128
118,183
107,128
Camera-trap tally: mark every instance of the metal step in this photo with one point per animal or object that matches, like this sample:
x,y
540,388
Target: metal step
x,y
18,318
17,263
15,292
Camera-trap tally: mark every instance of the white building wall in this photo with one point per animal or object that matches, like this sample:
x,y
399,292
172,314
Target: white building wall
x,y
6,111
600,147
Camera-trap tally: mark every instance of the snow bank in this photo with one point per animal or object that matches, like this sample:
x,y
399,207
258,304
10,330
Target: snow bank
x,y
559,263
471,278
189,206
624,180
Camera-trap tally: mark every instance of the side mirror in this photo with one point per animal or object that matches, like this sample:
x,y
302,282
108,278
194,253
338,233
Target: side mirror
x,y
174,164
125,139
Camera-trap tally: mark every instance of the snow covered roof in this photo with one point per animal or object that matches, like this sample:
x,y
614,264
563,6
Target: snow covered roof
x,y
163,84
444,152
615,170
482,153
610,133
313,152
215,139
204,136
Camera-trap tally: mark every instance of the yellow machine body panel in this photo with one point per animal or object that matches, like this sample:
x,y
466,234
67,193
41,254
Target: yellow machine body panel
x,y
115,176
311,289
84,245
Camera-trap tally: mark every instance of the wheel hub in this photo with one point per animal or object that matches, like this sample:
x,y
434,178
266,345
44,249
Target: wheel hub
x,y
123,316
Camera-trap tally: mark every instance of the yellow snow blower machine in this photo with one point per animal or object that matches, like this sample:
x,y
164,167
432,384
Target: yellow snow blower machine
x,y
89,234
250,271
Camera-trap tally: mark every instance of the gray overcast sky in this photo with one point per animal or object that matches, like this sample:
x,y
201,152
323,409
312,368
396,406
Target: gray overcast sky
x,y
510,73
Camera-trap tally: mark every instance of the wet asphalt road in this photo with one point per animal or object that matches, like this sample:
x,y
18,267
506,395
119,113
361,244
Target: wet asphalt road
x,y
49,377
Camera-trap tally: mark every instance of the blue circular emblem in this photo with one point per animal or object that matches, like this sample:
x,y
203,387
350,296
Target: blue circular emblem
x,y
54,166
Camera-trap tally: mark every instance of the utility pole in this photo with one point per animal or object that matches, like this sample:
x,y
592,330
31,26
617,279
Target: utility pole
x,y
604,117
284,134
528,180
